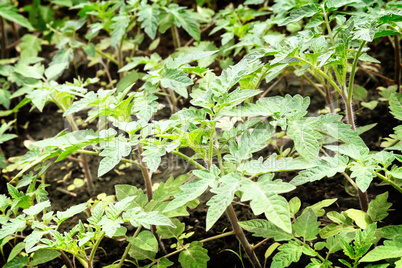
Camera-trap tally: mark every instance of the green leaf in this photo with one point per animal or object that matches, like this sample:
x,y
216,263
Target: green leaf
x,y
163,263
223,198
119,26
169,188
360,153
145,241
251,142
184,58
305,11
35,210
60,62
152,156
186,19
264,199
395,105
253,2
288,253
194,257
382,252
15,251
378,207
127,81
327,168
43,256
264,228
113,151
318,207
335,4
138,253
167,232
146,219
305,138
64,215
32,239
17,262
12,226
360,217
306,225
192,189
364,174
273,164
149,15
9,12
30,46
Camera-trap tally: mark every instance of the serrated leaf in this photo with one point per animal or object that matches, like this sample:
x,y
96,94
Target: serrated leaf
x,y
288,253
230,77
327,168
113,151
119,26
253,2
364,174
138,253
145,241
335,4
381,253
169,188
223,198
264,200
149,15
186,19
35,210
18,262
264,228
273,164
305,11
360,153
12,226
44,255
251,142
395,105
184,58
194,257
305,138
64,215
378,207
146,219
191,190
306,225
59,63
32,239
97,214
163,263
167,232
152,156
9,12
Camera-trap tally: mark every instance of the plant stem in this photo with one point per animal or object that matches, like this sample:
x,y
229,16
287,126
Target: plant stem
x,y
3,39
63,255
397,50
128,248
188,159
396,186
147,176
176,37
211,145
95,247
242,238
353,71
327,24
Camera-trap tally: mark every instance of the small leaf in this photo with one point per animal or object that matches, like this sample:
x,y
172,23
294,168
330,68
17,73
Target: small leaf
x,y
35,210
306,225
264,228
43,256
16,250
360,217
18,262
64,215
378,207
9,12
194,257
364,174
288,253
149,15
145,241
308,10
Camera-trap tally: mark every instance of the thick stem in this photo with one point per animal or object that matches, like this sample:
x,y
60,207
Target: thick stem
x,y
242,238
88,175
3,39
145,174
176,37
353,72
328,25
128,248
397,62
95,247
188,159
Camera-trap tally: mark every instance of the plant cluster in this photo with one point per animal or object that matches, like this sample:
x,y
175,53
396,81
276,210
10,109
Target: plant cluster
x,y
142,106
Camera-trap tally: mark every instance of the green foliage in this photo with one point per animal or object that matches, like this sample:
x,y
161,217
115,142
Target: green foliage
x,y
240,143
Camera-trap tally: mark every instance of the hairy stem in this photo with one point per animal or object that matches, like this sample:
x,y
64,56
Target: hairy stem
x,y
395,185
3,39
95,247
128,248
147,176
176,37
397,50
242,238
